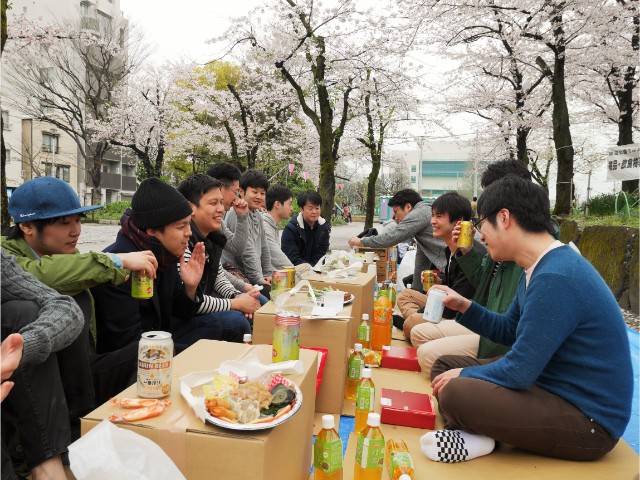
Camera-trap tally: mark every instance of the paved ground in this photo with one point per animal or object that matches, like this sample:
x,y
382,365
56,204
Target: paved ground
x,y
97,236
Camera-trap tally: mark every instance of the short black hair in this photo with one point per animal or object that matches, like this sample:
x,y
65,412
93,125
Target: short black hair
x,y
277,193
502,168
526,201
15,232
453,204
254,179
401,198
309,196
196,185
225,172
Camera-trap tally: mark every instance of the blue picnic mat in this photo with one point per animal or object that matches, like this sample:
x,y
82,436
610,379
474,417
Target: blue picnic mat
x,y
631,434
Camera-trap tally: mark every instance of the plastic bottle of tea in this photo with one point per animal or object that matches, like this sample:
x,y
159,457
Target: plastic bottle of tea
x,y
327,452
354,372
365,399
370,451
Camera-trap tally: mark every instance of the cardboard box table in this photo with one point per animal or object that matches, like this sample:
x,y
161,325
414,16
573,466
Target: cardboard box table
x,y
203,451
332,335
361,285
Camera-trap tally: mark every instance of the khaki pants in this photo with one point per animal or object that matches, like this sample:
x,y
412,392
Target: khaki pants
x,y
450,344
409,302
532,419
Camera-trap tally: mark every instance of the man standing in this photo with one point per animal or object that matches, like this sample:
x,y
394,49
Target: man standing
x,y
550,394
413,218
305,238
279,207
222,302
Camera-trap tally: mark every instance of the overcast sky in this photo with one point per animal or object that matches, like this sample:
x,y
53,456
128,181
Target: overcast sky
x,y
180,29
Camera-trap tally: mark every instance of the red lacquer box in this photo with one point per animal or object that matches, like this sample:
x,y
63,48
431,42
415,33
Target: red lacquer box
x,y
408,409
400,358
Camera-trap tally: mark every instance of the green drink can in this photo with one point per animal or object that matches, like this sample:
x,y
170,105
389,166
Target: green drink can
x,y
141,285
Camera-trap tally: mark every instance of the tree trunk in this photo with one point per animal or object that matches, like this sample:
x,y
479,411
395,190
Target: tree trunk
x,y
371,190
521,144
327,185
625,123
5,220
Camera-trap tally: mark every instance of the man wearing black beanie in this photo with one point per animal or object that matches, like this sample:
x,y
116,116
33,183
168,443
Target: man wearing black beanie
x,y
158,220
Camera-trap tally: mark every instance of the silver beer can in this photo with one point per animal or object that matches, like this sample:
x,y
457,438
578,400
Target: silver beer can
x,y
155,359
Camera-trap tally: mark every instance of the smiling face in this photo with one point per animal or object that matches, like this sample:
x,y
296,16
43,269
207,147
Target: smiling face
x,y
255,197
59,237
442,226
230,191
175,236
209,213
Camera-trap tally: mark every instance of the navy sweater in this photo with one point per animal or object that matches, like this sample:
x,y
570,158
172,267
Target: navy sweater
x,y
567,336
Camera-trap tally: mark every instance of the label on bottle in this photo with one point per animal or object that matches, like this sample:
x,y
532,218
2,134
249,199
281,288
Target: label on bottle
x,y
400,459
355,368
365,398
327,456
370,452
364,332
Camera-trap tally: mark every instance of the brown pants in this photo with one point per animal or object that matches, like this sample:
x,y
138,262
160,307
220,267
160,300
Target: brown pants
x,y
532,419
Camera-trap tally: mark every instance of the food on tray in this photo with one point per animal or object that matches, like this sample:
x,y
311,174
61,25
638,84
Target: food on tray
x,y
249,402
321,291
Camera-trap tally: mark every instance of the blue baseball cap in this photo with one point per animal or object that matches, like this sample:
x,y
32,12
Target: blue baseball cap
x,y
43,198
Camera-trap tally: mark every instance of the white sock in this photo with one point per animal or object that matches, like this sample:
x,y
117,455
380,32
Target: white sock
x,y
451,446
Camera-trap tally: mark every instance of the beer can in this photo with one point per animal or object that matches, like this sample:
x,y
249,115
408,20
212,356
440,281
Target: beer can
x,y
465,239
428,279
279,280
291,278
141,285
286,337
155,358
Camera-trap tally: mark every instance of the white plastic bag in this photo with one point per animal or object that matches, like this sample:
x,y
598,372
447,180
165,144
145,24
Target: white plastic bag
x,y
109,452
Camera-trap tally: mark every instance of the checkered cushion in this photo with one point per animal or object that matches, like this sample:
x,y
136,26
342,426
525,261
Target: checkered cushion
x,y
450,446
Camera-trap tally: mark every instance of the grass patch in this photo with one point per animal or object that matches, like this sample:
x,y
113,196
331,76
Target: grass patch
x,y
619,220
111,211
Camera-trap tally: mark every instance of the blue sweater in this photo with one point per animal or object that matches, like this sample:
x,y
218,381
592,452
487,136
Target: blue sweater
x,y
567,336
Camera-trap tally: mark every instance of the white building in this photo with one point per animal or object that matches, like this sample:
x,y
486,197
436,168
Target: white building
x,y
439,167
35,148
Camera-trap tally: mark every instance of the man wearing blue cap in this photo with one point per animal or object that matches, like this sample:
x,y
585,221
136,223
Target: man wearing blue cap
x,y
47,215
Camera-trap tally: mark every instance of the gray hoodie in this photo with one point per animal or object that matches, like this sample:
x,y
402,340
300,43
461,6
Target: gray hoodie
x,y
417,224
272,232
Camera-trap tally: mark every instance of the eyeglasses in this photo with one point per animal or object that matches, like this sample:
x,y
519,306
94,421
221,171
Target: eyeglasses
x,y
478,223
237,192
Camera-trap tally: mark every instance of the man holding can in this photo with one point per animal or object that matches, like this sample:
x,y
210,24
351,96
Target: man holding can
x,y
549,394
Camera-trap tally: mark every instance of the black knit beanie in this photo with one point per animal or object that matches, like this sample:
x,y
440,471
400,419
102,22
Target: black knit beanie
x,y
156,204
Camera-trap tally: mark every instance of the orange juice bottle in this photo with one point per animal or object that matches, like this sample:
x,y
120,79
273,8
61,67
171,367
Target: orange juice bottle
x,y
364,331
370,451
354,372
365,399
327,452
382,312
399,463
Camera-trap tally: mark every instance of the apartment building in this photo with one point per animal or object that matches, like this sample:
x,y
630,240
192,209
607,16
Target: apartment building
x,y
36,148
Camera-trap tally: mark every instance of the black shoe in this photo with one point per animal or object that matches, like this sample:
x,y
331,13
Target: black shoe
x,y
398,321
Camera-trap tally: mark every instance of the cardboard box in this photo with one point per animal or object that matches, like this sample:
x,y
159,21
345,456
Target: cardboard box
x,y
409,409
332,335
202,451
400,358
361,286
382,264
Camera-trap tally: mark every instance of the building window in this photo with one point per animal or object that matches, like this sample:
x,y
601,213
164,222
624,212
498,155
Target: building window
x,y
8,153
50,143
413,169
5,120
84,9
413,179
63,172
105,24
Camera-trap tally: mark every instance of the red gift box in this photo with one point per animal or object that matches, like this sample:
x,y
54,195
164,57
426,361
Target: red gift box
x,y
400,358
409,409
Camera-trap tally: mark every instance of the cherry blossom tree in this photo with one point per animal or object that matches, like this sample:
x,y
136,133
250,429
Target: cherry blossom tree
x,y
67,79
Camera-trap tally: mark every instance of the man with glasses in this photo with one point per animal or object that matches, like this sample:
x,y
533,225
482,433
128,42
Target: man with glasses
x,y
565,388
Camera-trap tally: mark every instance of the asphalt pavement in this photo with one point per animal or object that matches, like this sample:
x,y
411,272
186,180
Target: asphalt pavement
x,y
95,237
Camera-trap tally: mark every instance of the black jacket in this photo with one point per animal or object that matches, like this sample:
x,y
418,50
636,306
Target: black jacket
x,y
121,319
301,244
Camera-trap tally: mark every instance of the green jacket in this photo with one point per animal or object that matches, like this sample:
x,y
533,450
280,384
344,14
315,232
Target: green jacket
x,y
68,274
495,295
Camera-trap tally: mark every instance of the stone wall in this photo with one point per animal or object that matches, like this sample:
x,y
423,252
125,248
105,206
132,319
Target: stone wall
x,y
613,251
